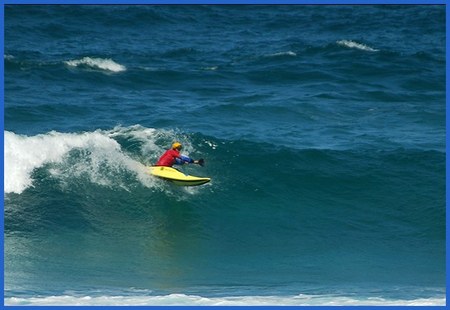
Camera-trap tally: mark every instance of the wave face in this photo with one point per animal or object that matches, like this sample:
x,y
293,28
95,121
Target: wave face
x,y
325,143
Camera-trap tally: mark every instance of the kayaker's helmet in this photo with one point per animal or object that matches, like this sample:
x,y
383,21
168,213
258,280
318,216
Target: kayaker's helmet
x,y
176,145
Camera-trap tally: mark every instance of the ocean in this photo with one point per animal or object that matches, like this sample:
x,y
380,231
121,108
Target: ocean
x,y
323,132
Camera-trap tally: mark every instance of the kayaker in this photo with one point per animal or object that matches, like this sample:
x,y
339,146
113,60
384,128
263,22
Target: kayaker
x,y
174,157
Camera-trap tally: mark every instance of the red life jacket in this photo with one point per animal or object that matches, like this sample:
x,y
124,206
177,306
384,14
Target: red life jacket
x,y
168,158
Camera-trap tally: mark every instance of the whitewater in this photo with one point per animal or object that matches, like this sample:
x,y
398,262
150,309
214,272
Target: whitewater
x,y
192,300
24,154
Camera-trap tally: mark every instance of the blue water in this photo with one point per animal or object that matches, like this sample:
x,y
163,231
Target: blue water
x,y
322,128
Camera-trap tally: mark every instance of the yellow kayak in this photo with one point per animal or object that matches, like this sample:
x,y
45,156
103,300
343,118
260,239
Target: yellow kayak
x,y
177,177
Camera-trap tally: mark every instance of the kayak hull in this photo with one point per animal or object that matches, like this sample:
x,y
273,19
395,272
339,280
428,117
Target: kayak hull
x,y
177,177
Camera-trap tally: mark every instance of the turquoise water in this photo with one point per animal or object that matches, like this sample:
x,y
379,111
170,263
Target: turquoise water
x,y
322,128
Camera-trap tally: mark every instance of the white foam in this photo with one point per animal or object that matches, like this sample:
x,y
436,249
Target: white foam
x,y
194,300
212,68
97,63
356,45
288,53
23,154
146,136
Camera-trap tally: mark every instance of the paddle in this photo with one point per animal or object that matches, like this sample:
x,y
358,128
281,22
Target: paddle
x,y
201,162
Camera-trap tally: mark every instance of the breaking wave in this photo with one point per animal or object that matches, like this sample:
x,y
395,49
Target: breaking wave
x,y
356,45
195,300
97,63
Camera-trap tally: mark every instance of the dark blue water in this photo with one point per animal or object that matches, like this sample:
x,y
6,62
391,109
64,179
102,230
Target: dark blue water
x,y
322,127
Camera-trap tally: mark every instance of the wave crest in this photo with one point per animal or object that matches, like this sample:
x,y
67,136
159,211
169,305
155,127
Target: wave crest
x,y
288,53
97,63
356,45
24,154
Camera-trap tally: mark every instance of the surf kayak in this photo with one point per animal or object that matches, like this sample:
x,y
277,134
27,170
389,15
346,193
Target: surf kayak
x,y
177,177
